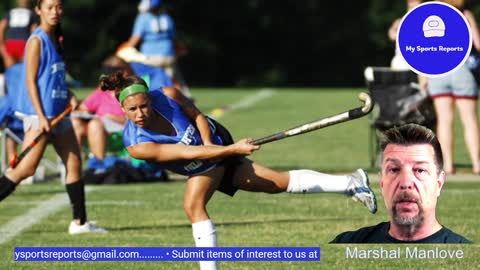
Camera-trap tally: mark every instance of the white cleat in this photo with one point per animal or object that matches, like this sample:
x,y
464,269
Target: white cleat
x,y
87,227
360,190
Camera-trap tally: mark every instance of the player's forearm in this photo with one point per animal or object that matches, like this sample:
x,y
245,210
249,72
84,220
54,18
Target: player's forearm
x,y
3,50
208,152
204,129
3,27
37,105
35,98
392,31
475,31
32,62
171,152
73,99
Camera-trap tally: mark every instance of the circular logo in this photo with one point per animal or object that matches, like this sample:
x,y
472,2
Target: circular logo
x,y
434,38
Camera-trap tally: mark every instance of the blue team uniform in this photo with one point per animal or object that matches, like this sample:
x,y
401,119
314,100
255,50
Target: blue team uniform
x,y
51,82
186,133
157,76
12,85
157,33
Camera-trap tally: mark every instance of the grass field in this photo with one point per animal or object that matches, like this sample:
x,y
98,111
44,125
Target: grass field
x,y
151,214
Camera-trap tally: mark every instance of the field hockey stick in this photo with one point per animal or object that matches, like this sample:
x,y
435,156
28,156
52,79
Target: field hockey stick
x,y
324,122
16,159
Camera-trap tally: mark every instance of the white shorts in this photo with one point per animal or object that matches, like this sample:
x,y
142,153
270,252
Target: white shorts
x,y
458,84
112,126
31,121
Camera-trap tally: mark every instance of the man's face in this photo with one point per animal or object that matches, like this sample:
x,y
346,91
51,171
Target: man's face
x,y
410,183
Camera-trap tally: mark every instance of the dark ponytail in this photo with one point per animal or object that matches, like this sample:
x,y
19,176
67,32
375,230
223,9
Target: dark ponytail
x,y
59,39
117,81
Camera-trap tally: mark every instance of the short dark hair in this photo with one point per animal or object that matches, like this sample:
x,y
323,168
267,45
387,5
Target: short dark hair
x,y
412,134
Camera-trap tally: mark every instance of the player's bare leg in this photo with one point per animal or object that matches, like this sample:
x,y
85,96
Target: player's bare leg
x,y
197,194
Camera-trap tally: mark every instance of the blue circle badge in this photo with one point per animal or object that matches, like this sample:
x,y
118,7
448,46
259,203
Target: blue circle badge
x,y
434,39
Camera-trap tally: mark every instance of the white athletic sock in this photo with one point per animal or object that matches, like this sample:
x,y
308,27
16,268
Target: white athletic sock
x,y
205,235
308,181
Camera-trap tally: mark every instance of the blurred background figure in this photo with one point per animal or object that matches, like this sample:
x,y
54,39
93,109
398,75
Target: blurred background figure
x,y
398,62
15,29
154,33
11,101
154,76
458,88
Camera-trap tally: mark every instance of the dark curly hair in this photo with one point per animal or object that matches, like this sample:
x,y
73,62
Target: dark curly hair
x,y
117,81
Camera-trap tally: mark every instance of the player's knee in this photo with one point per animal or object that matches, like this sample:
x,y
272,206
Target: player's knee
x,y
193,208
77,123
95,125
74,164
189,207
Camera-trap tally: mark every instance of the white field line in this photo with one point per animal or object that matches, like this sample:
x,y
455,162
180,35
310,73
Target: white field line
x,y
89,202
245,102
34,215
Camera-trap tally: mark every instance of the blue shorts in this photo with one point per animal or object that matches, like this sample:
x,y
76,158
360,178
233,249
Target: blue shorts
x,y
458,84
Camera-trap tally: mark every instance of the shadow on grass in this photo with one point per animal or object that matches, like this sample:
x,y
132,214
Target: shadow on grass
x,y
234,223
463,165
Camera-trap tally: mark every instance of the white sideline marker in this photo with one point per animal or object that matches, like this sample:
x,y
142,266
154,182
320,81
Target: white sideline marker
x,y
34,215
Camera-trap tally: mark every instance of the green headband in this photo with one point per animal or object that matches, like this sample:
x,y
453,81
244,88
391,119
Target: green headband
x,y
132,90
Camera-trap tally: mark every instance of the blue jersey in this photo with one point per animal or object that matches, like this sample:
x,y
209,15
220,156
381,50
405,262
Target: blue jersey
x,y
186,133
157,33
51,82
157,76
12,85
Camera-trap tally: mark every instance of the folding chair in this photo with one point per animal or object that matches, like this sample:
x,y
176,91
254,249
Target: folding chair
x,y
399,101
55,169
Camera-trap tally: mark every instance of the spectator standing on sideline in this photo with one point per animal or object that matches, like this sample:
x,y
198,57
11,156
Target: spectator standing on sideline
x,y
154,32
458,88
398,62
15,29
